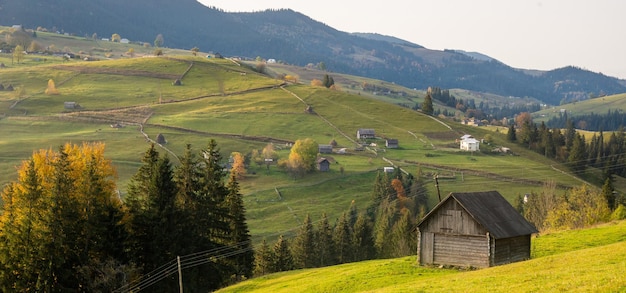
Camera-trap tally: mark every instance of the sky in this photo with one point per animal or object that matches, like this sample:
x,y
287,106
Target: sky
x,y
539,34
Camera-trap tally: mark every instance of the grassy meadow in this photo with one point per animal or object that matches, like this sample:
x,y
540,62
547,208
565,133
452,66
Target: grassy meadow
x,y
243,111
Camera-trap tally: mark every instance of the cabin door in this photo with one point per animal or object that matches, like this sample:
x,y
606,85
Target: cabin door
x,y
426,247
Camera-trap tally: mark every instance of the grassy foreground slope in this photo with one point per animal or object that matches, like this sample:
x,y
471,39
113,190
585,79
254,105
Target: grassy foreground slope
x,y
589,260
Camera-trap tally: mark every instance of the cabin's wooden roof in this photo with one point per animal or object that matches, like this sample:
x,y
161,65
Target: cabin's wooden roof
x,y
492,211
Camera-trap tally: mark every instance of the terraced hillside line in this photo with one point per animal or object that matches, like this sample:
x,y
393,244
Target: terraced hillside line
x,y
484,174
226,135
321,117
116,71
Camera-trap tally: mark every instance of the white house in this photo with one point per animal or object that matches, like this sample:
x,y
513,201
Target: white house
x,y
124,41
469,143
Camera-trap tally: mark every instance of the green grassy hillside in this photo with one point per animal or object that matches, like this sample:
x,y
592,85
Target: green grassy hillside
x,y
599,105
590,260
244,110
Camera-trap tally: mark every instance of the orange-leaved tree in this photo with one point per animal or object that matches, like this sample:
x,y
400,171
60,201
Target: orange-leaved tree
x,y
238,168
59,219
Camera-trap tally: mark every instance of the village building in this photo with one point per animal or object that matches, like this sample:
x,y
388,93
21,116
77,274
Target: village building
x,y
364,133
323,165
474,229
469,143
391,143
471,122
71,105
325,148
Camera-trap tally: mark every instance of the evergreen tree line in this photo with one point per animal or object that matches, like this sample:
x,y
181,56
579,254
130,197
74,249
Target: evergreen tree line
x,y
611,121
383,230
65,228
572,149
480,111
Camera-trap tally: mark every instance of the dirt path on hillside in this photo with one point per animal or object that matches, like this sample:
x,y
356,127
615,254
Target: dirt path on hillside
x,y
321,117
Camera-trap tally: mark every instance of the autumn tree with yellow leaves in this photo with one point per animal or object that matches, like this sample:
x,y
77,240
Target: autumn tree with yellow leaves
x,y
51,89
238,168
59,220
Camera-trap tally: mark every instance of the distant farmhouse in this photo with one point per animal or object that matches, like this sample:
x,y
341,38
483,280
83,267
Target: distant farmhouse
x,y
469,143
477,229
364,133
323,165
391,143
472,122
71,105
325,148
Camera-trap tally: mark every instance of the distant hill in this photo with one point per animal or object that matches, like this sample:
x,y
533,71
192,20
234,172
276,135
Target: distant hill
x,y
294,38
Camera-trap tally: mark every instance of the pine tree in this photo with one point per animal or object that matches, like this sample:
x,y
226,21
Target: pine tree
x,y
511,135
283,261
303,246
419,194
577,157
328,81
385,218
402,242
342,238
427,105
263,260
202,197
239,238
382,190
362,241
608,192
154,216
324,248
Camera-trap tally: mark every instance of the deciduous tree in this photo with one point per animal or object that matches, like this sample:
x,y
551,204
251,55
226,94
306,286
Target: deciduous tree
x,y
307,150
18,54
51,89
238,168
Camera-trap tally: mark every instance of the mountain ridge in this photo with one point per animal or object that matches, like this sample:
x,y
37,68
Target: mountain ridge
x,y
294,38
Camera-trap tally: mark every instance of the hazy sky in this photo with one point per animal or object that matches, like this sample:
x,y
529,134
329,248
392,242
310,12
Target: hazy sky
x,y
540,34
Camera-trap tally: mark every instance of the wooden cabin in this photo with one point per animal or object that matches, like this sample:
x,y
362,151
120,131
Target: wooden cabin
x,y
325,149
323,165
391,143
474,229
365,133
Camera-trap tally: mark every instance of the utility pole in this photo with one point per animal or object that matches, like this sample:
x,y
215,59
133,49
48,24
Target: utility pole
x,y
180,275
437,185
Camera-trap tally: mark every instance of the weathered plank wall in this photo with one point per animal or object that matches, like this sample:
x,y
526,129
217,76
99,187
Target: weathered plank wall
x,y
510,249
461,250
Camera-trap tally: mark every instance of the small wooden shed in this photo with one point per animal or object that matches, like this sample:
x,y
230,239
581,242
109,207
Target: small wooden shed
x,y
323,165
392,143
325,149
477,229
364,133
